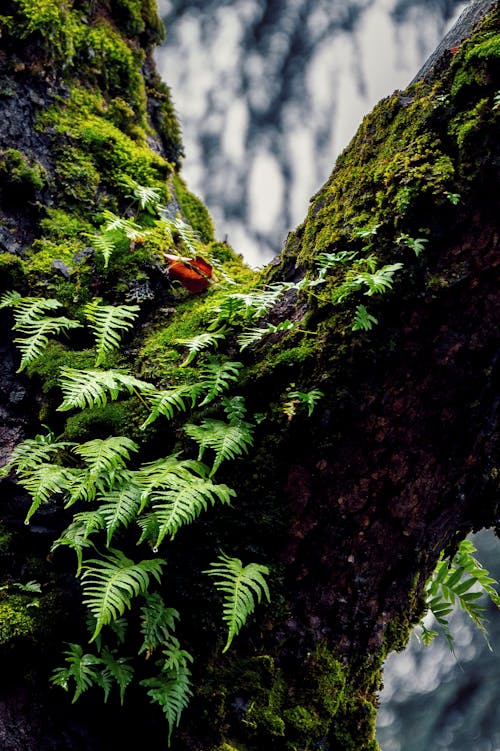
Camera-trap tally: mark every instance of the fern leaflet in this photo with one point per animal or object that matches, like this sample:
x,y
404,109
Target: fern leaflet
x,y
184,501
241,586
217,378
82,670
108,323
163,472
77,533
103,456
37,333
93,388
157,623
199,343
105,244
228,440
44,482
115,669
34,451
110,583
120,508
167,402
363,320
379,281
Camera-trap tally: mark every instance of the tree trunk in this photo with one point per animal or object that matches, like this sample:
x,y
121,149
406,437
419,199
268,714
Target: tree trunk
x,y
347,498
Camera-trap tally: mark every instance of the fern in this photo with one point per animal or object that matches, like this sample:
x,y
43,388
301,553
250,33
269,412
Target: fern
x,y
363,320
228,440
308,398
105,244
241,586
199,343
163,472
183,502
114,669
252,335
10,299
188,235
93,388
32,452
217,378
157,623
103,456
171,689
379,281
127,227
76,535
36,336
120,508
326,260
29,310
462,581
167,402
148,198
108,323
82,670
43,483
110,583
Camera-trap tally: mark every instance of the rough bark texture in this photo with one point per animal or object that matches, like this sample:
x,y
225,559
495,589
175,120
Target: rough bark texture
x,y
349,506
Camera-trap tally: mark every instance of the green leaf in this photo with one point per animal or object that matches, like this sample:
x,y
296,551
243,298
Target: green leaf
x,y
363,320
110,584
108,323
217,378
157,623
241,586
81,669
93,388
199,343
172,691
116,669
228,440
167,402
183,502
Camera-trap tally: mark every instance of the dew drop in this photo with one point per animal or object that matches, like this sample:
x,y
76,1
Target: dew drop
x,y
27,522
155,550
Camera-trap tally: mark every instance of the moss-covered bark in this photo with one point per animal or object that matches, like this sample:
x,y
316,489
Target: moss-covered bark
x,y
348,503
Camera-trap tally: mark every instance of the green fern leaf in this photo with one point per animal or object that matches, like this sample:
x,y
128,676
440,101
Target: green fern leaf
x,y
76,535
199,343
120,508
157,623
117,670
105,244
163,472
10,299
108,323
228,440
103,456
379,281
217,378
188,235
363,320
32,452
126,227
44,482
184,501
241,587
167,402
110,583
29,310
81,669
254,334
148,198
37,335
93,388
172,691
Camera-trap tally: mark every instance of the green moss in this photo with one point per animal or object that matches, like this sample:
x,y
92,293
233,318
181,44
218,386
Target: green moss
x,y
468,123
17,619
115,418
56,356
164,119
194,210
20,173
5,539
11,271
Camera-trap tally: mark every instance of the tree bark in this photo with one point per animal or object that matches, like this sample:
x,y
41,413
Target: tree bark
x,y
349,506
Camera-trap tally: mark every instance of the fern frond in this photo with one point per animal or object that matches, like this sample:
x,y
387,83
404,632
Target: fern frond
x,y
251,335
379,281
148,198
110,583
34,451
228,440
29,310
217,378
76,535
188,235
363,320
10,299
103,456
157,623
163,472
325,261
167,402
461,581
37,333
172,691
81,669
308,398
105,244
93,388
44,482
234,408
199,343
150,529
127,227
120,508
183,502
108,323
117,670
241,587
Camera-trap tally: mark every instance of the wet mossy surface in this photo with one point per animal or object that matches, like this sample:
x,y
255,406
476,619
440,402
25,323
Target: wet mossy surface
x,y
308,675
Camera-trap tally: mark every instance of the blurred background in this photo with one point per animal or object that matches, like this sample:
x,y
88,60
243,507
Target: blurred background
x,y
268,92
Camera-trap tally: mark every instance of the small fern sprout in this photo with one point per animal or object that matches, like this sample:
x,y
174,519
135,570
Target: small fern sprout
x,y
417,244
242,587
363,320
105,244
149,199
307,398
378,281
